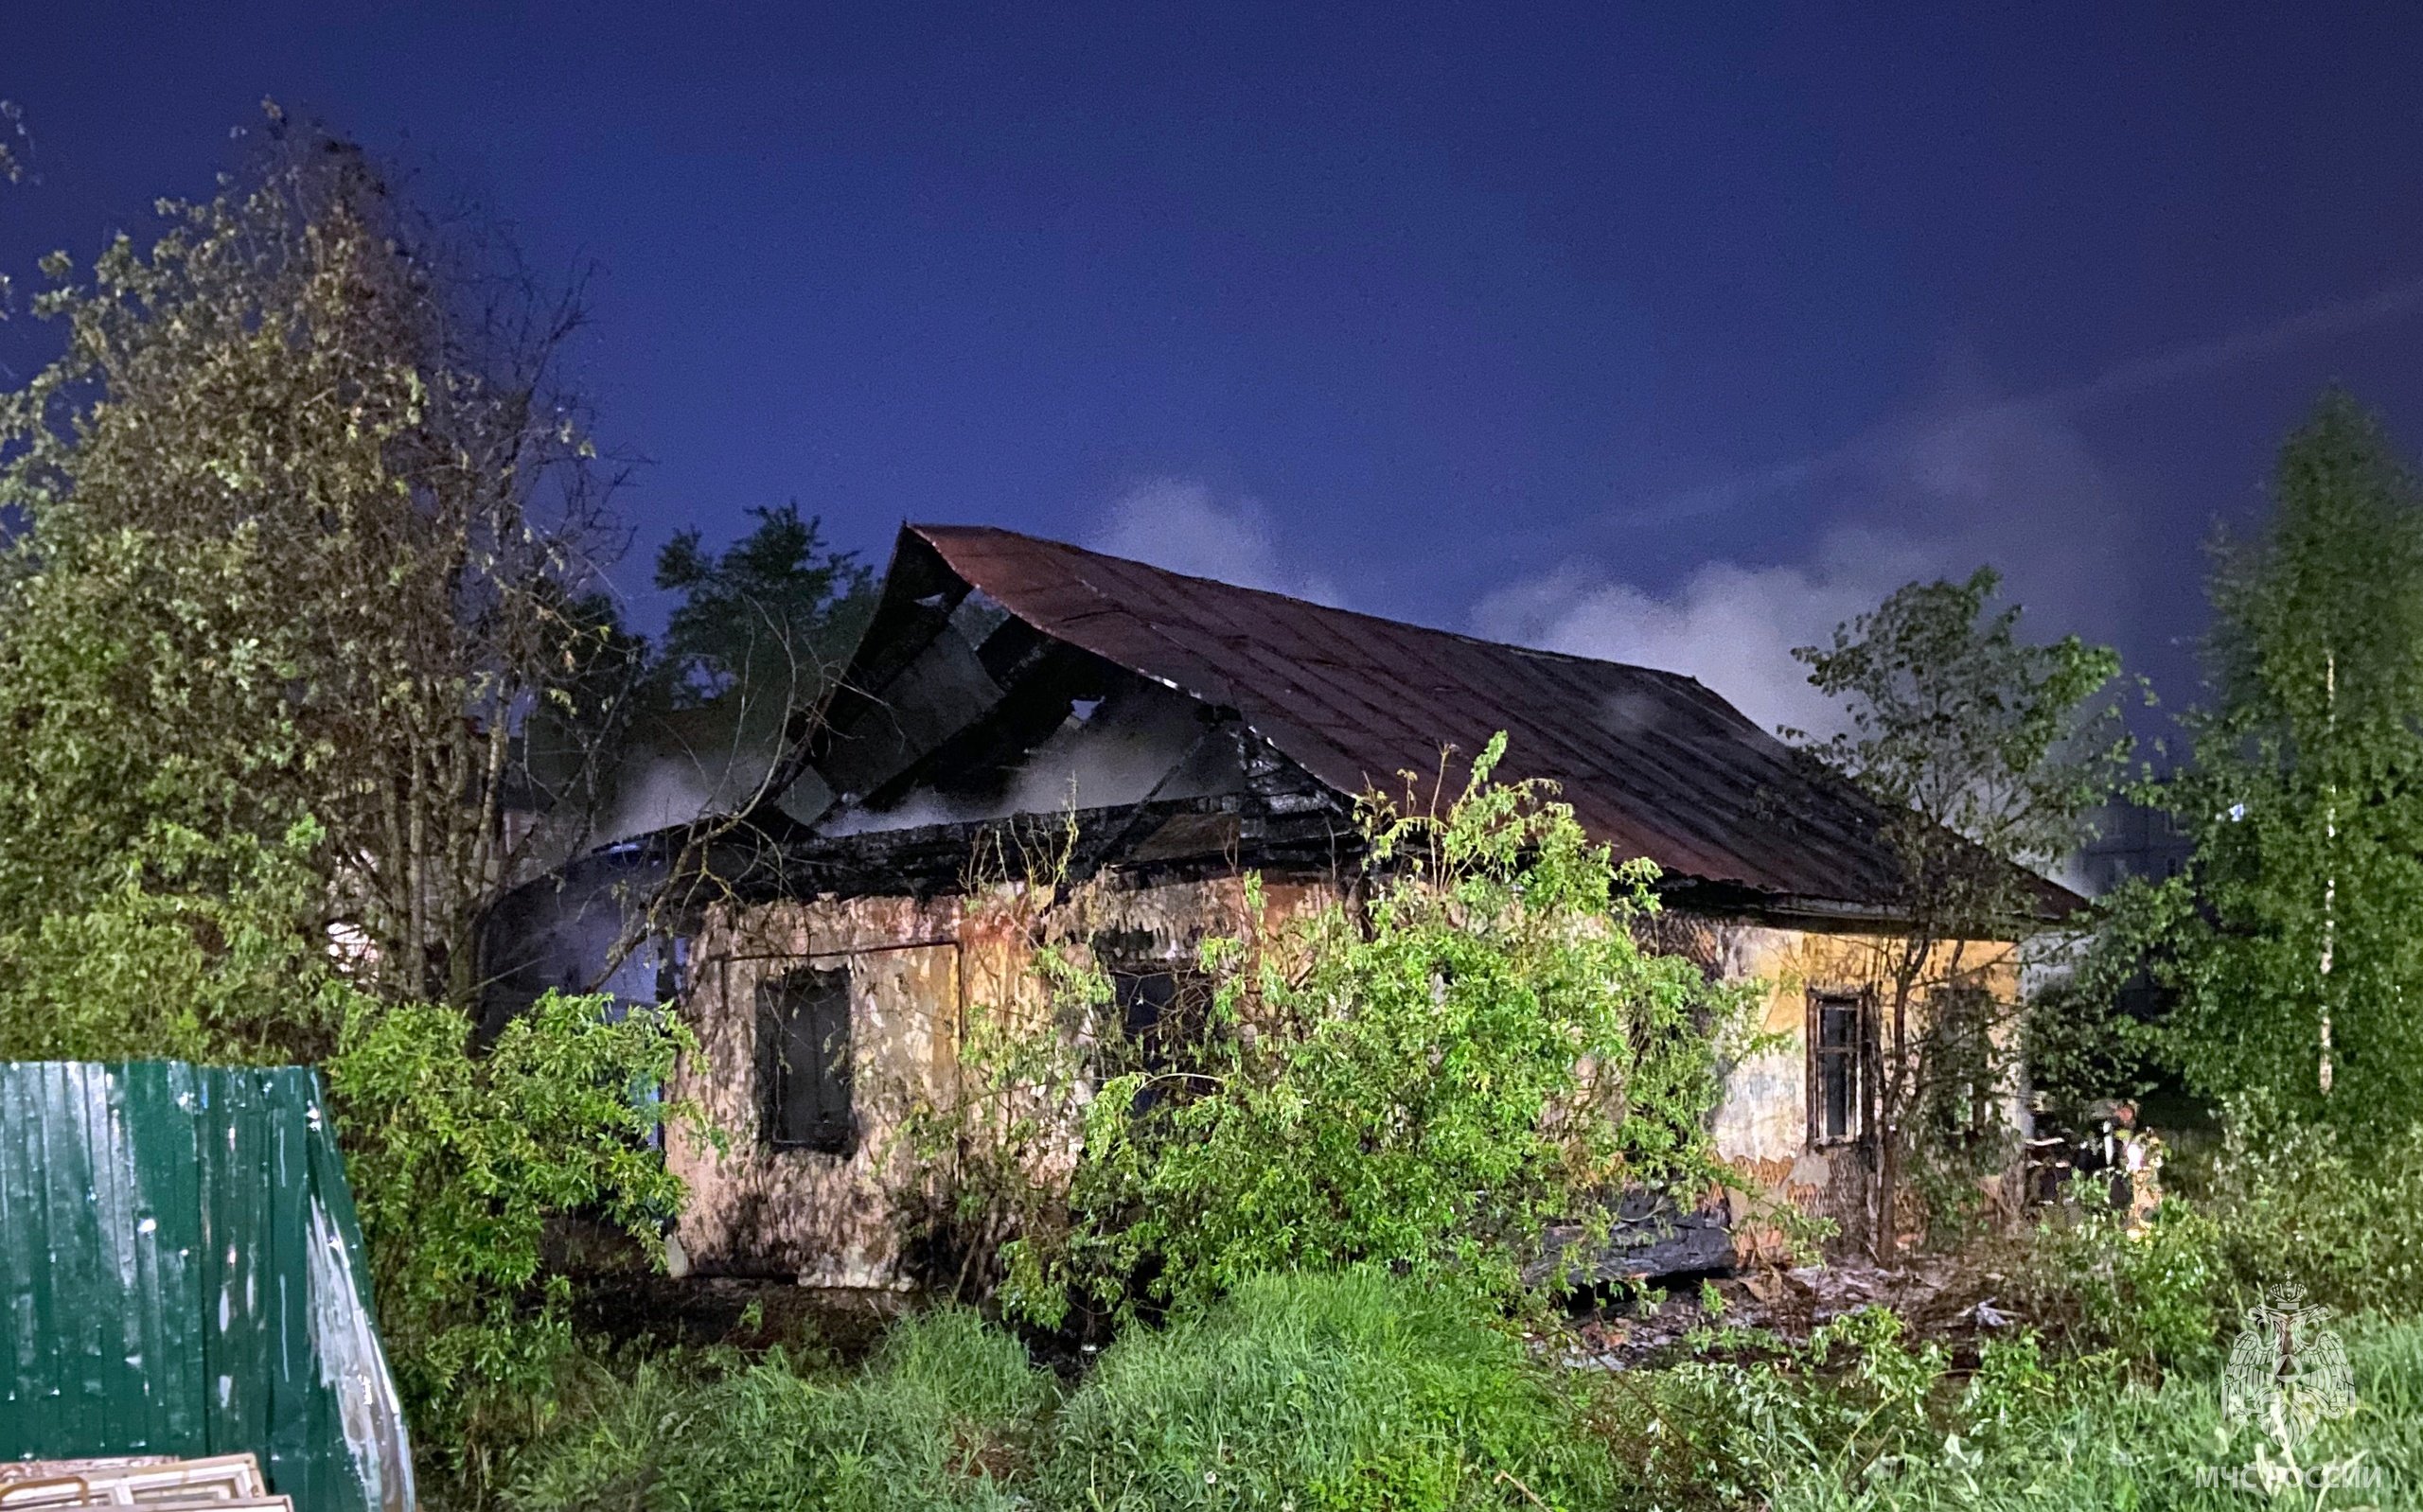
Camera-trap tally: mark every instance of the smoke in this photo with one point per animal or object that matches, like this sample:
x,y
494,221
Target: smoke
x,y
1730,626
1983,485
1142,742
1980,478
1182,524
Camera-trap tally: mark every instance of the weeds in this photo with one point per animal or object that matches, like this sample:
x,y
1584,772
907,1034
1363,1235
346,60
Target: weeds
x,y
942,1418
1325,1393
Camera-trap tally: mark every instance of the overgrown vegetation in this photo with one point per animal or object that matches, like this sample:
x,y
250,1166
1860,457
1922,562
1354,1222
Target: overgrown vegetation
x,y
1478,1051
1353,1389
462,1164
946,1415
1357,1391
1985,754
2278,1201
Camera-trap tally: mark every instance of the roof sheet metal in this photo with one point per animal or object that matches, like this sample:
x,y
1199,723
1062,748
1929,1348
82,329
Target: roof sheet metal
x,y
1654,763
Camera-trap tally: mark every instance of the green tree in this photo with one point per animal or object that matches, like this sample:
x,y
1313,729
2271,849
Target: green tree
x,y
1985,754
297,520
635,735
300,504
2291,947
768,619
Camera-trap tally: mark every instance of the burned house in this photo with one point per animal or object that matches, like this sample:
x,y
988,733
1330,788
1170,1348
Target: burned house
x,y
1169,734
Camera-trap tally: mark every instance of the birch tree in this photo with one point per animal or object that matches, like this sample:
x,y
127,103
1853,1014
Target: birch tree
x,y
2292,948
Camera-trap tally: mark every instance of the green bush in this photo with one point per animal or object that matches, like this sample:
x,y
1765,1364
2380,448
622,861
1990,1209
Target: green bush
x,y
2154,1297
940,1417
2339,1214
1862,1420
2110,1444
1324,1393
1854,1408
460,1163
1480,1050
2277,1203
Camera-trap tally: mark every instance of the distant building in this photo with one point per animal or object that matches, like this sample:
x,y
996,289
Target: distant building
x,y
2132,840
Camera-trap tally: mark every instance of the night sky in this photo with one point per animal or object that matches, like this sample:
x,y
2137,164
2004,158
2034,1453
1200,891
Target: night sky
x,y
1670,333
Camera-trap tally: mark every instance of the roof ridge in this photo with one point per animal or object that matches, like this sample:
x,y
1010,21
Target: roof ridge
x,y
927,532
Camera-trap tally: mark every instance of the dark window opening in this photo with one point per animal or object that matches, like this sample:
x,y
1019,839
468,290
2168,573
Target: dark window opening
x,y
1835,1067
1148,1010
804,1053
1162,1014
1963,1081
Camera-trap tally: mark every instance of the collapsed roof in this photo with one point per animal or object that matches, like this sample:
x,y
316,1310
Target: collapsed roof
x,y
989,644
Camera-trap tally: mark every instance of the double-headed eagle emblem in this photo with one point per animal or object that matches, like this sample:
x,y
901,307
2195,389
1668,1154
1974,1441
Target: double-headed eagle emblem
x,y
2287,1372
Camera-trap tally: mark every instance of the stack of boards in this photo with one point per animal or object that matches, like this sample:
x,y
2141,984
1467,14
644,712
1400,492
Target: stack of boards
x,y
225,1483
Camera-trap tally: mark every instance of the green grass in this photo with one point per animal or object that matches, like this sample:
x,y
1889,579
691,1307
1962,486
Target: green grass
x,y
1357,1393
2135,1447
940,1418
1343,1392
1895,1432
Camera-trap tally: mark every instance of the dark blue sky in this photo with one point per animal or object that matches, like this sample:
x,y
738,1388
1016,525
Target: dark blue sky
x,y
1667,332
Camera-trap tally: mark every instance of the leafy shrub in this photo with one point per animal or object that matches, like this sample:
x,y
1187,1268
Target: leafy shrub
x,y
2338,1213
2279,1202
1859,1405
180,947
1322,1394
2106,1442
1864,1419
1429,1081
2153,1297
940,1417
460,1162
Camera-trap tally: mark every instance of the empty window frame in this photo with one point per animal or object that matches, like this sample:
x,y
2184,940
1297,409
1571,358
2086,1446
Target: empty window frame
x,y
804,1060
1162,1012
1963,1077
1837,1067
1147,1002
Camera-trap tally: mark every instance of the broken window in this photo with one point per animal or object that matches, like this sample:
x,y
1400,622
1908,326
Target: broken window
x,y
1834,1068
804,1053
1162,1010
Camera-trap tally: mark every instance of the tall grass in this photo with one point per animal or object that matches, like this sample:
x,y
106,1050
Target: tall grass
x,y
940,1419
1886,1426
1361,1392
2135,1447
1347,1392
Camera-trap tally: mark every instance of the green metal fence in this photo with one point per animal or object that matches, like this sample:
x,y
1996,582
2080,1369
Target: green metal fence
x,y
182,1273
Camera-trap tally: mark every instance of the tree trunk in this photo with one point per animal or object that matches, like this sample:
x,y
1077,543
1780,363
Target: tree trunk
x,y
1885,1239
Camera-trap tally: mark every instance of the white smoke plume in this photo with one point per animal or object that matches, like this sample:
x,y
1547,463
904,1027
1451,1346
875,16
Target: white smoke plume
x,y
1184,525
1998,486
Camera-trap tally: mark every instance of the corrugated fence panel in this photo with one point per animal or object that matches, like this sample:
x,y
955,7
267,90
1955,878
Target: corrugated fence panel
x,y
185,1275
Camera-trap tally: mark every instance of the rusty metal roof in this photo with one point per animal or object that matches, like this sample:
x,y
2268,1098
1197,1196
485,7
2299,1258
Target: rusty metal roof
x,y
1654,763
